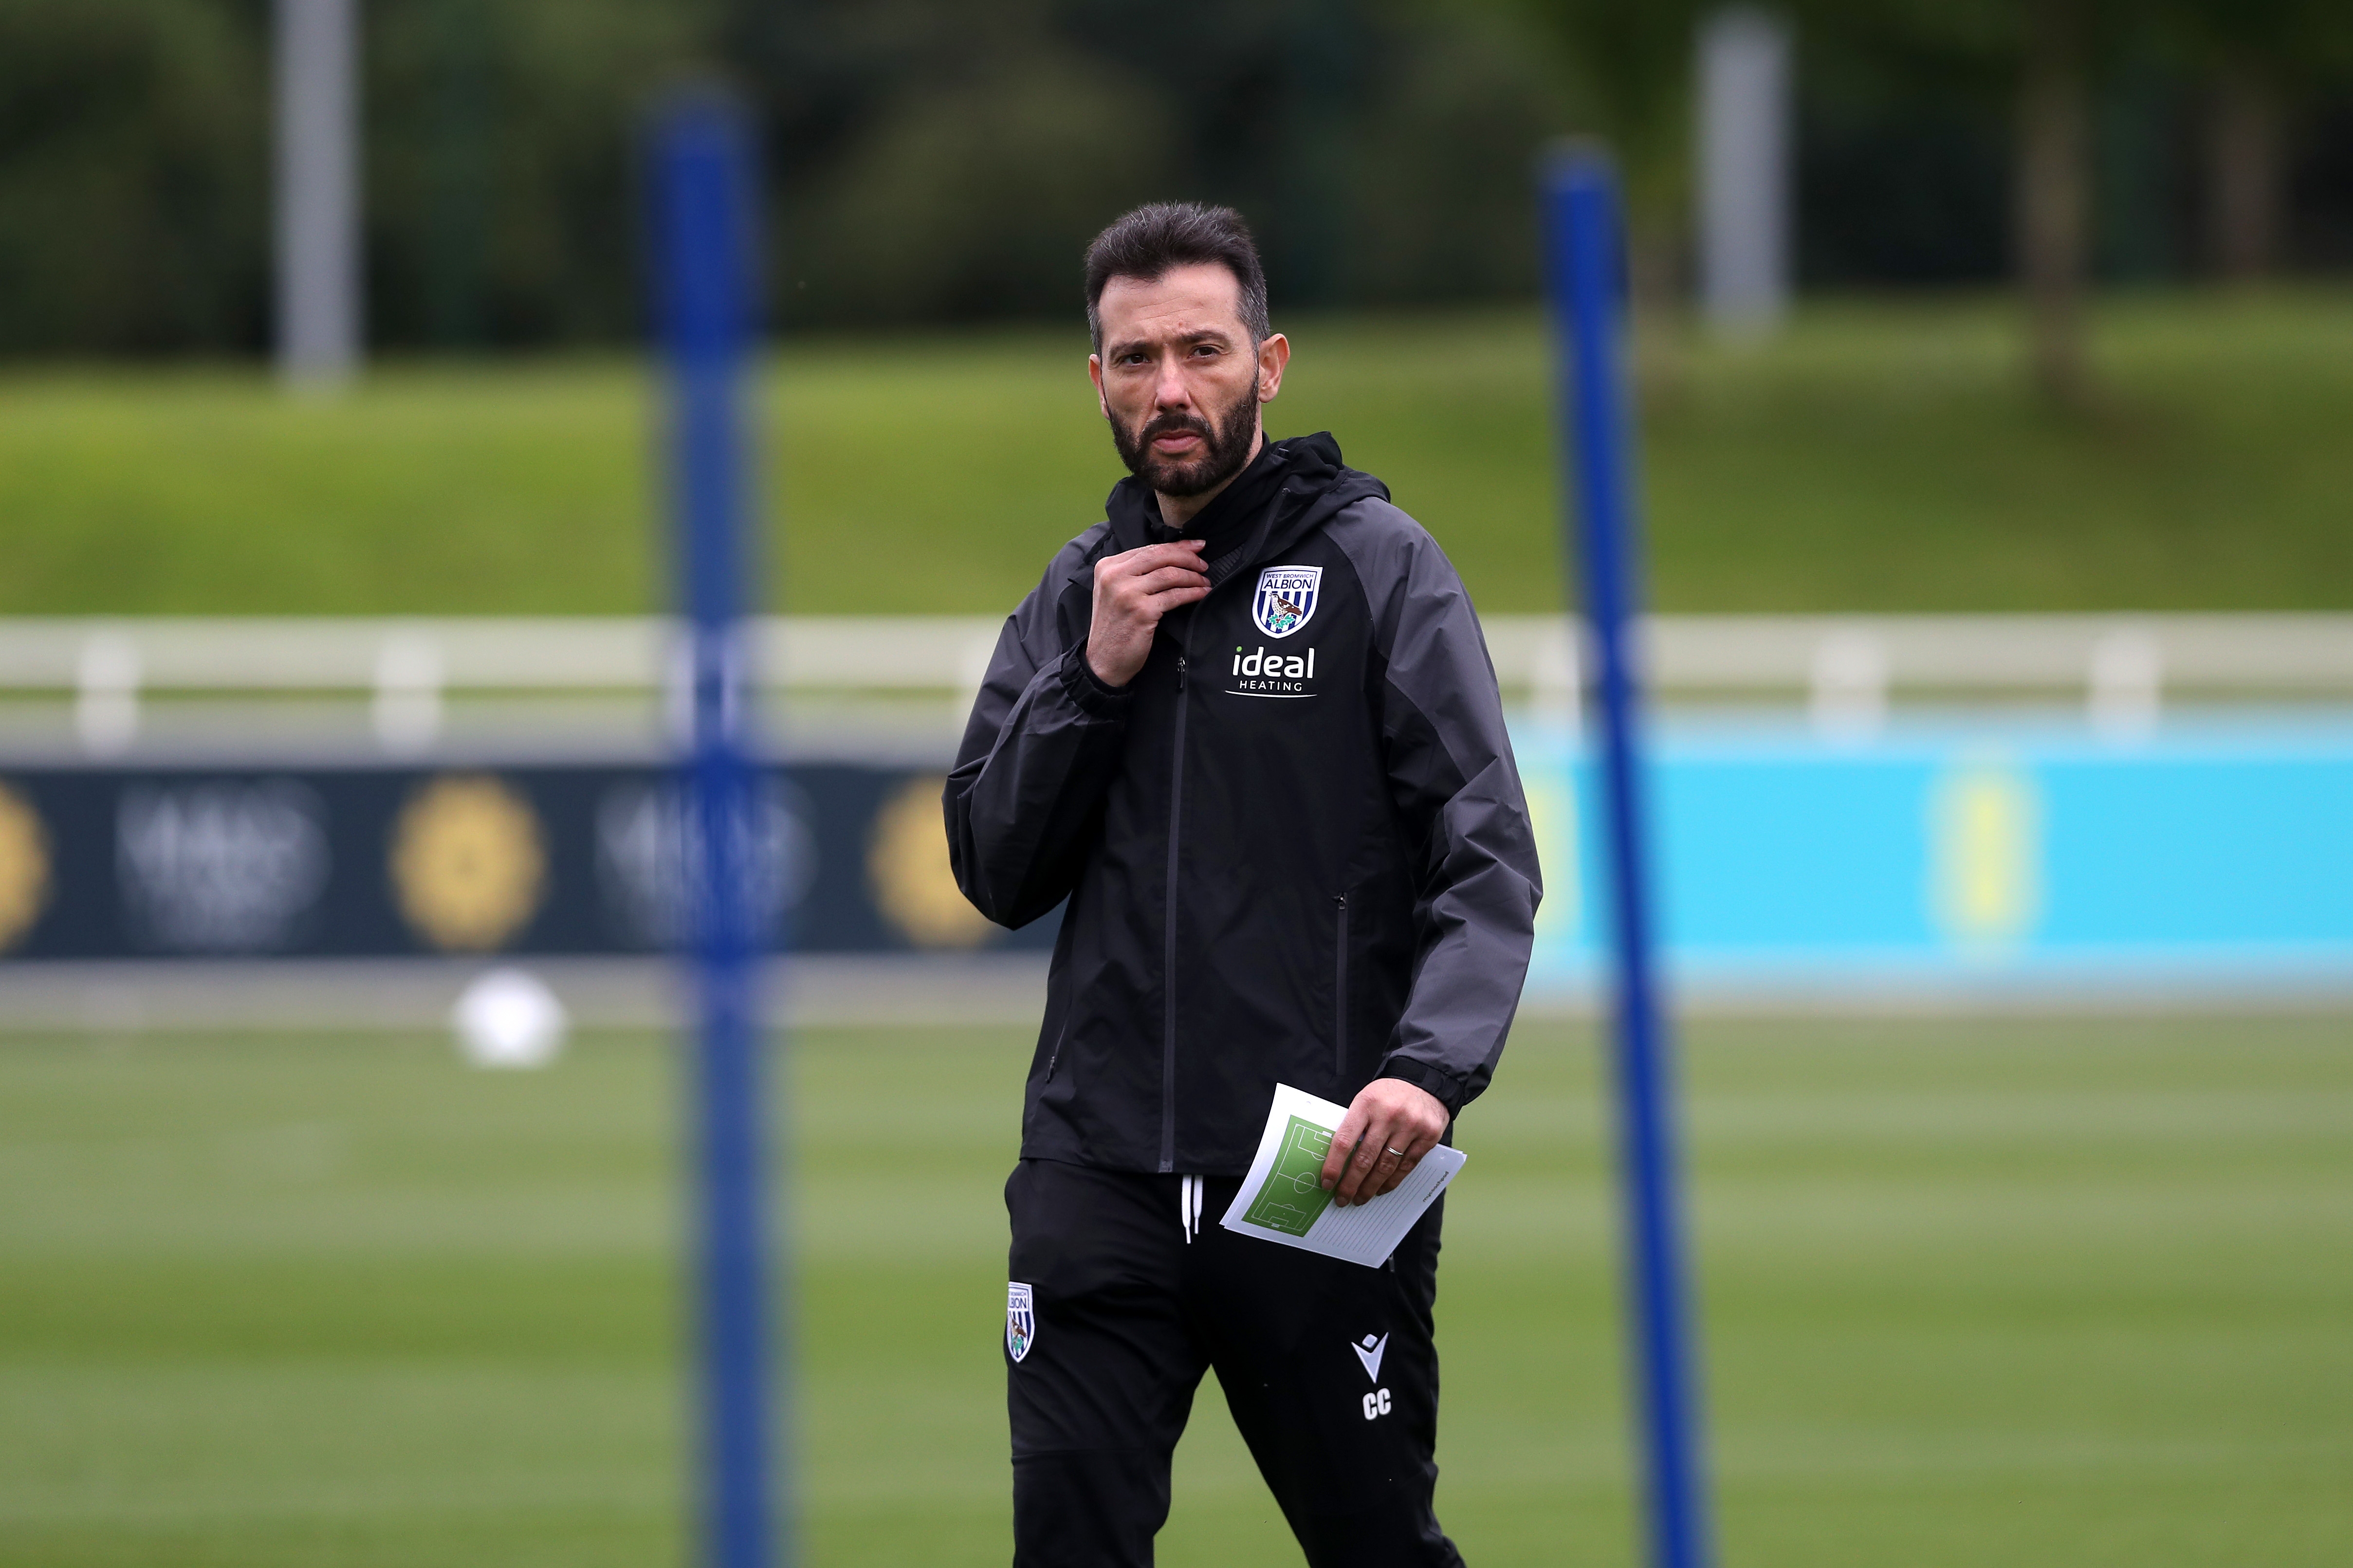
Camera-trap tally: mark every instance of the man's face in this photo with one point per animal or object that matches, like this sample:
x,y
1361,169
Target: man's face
x,y
1179,379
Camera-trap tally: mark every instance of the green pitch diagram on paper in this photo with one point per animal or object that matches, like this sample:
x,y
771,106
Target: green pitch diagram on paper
x,y
1293,1194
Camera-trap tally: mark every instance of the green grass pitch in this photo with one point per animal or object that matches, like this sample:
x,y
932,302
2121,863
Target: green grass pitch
x,y
2069,1292
1877,456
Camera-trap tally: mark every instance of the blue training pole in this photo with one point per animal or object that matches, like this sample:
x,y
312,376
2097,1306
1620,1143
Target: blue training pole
x,y
1585,263
704,248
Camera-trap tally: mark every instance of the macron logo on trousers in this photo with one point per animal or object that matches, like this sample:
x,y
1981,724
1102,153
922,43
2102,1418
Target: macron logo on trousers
x,y
1376,1403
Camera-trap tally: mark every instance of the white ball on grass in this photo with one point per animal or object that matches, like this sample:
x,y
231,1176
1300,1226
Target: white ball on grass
x,y
509,1018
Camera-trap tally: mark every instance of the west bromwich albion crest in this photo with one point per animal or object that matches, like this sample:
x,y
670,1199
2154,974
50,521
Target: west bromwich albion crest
x,y
1020,1321
1285,600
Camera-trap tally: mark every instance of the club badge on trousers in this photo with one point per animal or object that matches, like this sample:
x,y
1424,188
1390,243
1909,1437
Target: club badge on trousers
x,y
1020,1321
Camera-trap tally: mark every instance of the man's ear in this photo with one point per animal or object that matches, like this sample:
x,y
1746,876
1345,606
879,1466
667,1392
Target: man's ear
x,y
1273,358
1094,373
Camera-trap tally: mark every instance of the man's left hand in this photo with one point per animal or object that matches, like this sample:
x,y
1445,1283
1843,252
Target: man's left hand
x,y
1390,1125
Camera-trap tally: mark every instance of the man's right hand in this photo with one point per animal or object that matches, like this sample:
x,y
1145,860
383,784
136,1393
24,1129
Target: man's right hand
x,y
1133,591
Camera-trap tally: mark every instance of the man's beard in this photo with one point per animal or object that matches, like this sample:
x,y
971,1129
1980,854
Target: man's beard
x,y
1225,447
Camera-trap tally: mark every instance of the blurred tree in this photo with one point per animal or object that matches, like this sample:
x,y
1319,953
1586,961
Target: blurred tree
x,y
134,166
2054,185
2243,173
2321,183
457,154
1444,206
944,160
134,146
940,160
1624,68
501,162
2257,56
1903,166
2047,51
2140,188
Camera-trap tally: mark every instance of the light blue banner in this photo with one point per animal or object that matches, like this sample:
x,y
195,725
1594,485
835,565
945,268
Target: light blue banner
x,y
1971,855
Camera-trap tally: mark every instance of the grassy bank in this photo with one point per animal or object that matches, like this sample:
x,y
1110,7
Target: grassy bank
x,y
2034,1293
1874,457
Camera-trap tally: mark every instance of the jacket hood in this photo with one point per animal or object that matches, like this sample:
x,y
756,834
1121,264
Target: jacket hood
x,y
1292,488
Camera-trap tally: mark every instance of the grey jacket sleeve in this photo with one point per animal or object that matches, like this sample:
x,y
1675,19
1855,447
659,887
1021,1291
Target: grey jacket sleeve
x,y
1045,737
1457,790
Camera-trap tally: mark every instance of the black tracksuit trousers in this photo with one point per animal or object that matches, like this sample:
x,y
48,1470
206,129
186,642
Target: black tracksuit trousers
x,y
1329,1368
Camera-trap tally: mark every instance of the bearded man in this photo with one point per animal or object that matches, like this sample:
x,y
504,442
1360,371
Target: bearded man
x,y
1247,726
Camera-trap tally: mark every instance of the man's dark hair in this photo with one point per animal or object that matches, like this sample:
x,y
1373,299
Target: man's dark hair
x,y
1151,241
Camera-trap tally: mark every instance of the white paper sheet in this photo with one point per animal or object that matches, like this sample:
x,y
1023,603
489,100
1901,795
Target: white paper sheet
x,y
1282,1200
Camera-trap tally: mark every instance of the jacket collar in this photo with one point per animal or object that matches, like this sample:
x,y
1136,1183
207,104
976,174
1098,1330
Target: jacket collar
x,y
1293,487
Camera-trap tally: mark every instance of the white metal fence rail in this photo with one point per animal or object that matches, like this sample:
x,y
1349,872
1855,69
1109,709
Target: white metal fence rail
x,y
1846,668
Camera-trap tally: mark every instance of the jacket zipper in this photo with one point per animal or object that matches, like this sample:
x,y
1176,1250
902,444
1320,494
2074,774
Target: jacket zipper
x,y
1340,996
1169,953
1060,1034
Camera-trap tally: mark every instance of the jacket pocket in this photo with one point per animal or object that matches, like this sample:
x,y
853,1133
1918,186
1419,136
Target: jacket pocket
x,y
1340,991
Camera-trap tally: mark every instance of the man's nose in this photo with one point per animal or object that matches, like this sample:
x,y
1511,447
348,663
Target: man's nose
x,y
1169,390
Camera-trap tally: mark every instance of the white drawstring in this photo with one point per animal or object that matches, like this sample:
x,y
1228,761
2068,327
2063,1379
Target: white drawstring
x,y
1189,1207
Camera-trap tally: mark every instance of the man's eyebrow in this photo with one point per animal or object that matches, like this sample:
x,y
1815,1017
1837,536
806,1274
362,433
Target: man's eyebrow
x,y
1197,335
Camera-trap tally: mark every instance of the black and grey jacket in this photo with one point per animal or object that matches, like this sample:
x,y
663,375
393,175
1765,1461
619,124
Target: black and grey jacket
x,y
1295,847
